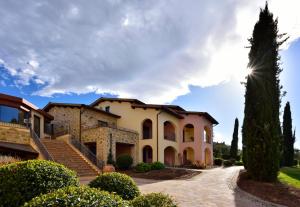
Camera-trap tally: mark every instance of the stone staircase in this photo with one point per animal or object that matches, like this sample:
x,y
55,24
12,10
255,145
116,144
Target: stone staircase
x,y
62,152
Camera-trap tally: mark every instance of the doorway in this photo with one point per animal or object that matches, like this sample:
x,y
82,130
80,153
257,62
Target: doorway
x,y
37,125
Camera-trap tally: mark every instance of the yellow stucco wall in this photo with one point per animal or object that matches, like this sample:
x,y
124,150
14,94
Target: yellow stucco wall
x,y
133,119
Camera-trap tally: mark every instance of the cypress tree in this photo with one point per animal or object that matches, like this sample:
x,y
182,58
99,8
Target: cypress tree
x,y
261,127
235,139
288,137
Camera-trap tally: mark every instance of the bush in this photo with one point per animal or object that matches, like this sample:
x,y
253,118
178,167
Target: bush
x,y
238,163
218,161
226,157
227,163
157,166
124,162
153,200
295,162
121,184
22,181
77,196
5,160
142,167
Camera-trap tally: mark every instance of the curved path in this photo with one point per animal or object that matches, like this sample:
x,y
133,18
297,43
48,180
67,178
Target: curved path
x,y
214,187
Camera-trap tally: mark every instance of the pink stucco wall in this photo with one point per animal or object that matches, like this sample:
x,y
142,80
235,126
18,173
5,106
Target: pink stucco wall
x,y
198,145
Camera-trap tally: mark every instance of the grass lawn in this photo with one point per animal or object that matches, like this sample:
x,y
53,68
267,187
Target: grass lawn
x,y
290,176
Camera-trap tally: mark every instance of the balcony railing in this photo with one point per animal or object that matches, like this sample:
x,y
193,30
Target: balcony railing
x,y
87,153
41,146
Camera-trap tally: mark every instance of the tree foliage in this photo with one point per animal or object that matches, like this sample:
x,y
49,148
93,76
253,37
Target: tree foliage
x,y
288,137
235,139
261,127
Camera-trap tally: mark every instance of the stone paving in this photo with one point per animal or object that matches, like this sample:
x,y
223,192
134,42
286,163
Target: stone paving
x,y
214,187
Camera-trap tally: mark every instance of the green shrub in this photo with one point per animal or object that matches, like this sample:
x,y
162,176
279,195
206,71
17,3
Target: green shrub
x,y
121,184
238,163
153,200
124,162
143,167
77,196
218,161
295,162
227,163
22,181
157,166
226,157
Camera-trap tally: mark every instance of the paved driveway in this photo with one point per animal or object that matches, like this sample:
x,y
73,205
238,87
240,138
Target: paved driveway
x,y
214,187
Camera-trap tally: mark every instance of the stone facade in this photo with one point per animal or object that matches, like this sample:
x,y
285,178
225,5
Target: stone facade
x,y
69,118
14,133
66,118
106,137
90,118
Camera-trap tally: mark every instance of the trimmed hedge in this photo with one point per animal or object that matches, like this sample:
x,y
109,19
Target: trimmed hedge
x,y
153,200
121,184
77,196
157,166
143,167
218,161
124,162
22,181
238,163
227,163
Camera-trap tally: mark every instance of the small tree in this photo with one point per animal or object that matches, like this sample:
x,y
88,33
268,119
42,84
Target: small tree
x,y
110,159
288,137
235,139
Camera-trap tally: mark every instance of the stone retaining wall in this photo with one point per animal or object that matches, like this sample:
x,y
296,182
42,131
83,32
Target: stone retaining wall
x,y
14,133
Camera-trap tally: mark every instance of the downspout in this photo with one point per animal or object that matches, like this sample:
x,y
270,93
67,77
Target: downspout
x,y
157,135
80,125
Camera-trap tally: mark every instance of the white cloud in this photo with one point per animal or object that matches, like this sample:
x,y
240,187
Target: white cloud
x,y
152,50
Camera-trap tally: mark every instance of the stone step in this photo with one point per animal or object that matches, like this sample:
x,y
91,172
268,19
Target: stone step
x,y
63,153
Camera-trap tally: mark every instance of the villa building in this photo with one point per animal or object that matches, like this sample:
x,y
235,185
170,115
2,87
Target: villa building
x,y
19,119
81,136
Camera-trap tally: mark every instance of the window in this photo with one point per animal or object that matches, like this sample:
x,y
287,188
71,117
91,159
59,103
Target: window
x,y
169,131
107,108
188,133
102,123
147,129
12,115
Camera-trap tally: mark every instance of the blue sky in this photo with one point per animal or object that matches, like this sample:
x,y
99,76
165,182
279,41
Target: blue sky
x,y
191,53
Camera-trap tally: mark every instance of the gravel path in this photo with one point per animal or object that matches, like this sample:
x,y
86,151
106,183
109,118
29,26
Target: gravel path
x,y
214,187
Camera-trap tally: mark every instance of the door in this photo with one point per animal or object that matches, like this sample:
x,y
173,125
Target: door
x,y
37,126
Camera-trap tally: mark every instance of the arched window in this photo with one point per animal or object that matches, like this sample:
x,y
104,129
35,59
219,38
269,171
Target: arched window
x,y
147,129
207,135
188,133
147,154
169,131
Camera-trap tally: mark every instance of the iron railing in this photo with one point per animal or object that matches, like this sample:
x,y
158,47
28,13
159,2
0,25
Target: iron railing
x,y
87,153
41,146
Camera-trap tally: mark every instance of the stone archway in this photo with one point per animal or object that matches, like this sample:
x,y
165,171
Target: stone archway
x,y
169,156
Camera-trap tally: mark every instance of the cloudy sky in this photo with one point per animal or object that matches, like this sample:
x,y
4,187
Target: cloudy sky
x,y
188,52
